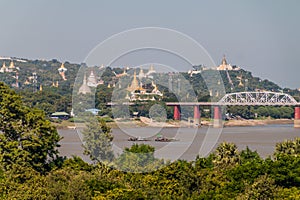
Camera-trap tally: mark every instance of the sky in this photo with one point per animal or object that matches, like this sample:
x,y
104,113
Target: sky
x,y
260,36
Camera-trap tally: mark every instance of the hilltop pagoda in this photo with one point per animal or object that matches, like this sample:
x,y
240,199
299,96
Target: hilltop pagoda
x,y
62,71
92,80
225,66
84,88
134,84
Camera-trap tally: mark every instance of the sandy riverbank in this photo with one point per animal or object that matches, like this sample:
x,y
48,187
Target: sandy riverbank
x,y
257,122
147,122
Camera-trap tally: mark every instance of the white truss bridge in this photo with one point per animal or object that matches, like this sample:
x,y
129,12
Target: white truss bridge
x,y
238,99
258,99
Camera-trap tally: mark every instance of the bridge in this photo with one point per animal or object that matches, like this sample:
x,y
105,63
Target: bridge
x,y
240,99
265,98
258,99
247,99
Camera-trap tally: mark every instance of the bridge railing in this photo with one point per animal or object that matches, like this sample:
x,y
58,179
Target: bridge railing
x,y
258,98
237,99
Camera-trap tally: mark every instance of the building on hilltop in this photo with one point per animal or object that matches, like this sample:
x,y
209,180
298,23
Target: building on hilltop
x,y
122,74
27,82
11,67
84,88
55,84
3,68
225,66
92,80
151,70
155,90
197,70
62,71
140,92
134,84
16,84
141,74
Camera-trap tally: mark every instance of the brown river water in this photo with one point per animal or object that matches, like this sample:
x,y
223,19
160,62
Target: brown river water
x,y
189,142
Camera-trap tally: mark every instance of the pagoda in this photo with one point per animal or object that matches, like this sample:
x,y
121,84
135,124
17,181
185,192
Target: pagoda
x,y
92,81
141,74
225,66
11,66
151,70
3,68
134,84
62,71
84,88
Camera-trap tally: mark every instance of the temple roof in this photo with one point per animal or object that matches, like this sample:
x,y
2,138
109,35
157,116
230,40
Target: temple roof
x,y
62,67
134,84
224,62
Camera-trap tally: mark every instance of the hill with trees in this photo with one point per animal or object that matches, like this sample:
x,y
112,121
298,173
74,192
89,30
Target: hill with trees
x,y
42,87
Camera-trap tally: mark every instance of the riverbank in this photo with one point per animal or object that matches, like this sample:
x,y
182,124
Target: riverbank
x,y
147,122
230,123
257,122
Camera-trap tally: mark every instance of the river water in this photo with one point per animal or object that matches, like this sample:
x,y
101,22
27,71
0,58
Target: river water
x,y
189,142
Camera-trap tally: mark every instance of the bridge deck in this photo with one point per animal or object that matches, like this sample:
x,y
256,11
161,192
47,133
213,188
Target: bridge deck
x,y
264,98
211,104
229,104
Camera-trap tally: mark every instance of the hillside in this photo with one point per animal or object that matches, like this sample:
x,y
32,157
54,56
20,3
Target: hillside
x,y
41,85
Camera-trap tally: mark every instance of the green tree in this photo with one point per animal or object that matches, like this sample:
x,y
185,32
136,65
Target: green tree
x,y
226,154
286,167
242,111
249,155
288,193
288,147
286,112
138,158
262,188
97,140
27,139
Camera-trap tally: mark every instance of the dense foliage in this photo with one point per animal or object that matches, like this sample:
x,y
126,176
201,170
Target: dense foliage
x,y
97,138
251,112
26,139
225,174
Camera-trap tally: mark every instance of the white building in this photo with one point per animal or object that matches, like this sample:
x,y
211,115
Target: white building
x,y
225,66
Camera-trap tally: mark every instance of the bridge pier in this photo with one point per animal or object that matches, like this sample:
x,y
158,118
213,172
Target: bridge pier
x,y
176,112
297,117
217,123
197,115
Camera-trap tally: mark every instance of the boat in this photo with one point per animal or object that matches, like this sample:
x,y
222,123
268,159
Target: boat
x,y
137,139
161,138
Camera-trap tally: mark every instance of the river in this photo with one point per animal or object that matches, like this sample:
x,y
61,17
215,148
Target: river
x,y
190,142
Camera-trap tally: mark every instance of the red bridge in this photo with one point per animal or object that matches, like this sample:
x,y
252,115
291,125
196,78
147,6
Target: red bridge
x,y
235,99
240,99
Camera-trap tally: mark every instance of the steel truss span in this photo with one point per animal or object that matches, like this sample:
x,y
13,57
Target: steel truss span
x,y
236,99
258,99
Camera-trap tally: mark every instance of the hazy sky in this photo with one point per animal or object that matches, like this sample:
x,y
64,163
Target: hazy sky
x,y
260,36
